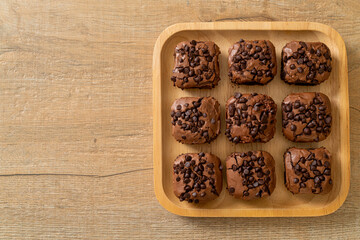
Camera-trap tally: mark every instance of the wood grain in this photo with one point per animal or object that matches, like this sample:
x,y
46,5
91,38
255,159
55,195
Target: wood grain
x,y
281,203
75,100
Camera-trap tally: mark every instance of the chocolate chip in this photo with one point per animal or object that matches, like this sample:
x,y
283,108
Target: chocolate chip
x,y
237,95
300,70
327,164
328,120
231,190
318,53
317,179
307,131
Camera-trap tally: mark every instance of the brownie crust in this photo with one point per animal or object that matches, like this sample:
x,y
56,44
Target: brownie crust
x,y
308,170
252,62
250,175
306,63
196,65
197,177
195,120
250,118
306,117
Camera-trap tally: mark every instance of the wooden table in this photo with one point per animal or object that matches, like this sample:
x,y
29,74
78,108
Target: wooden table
x,y
76,119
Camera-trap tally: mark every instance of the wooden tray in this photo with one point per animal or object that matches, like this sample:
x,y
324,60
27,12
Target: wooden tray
x,y
281,203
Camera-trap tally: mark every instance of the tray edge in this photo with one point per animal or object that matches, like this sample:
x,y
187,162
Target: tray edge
x,y
157,131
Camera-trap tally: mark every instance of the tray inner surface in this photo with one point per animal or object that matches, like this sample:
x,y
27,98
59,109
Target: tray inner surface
x,y
278,90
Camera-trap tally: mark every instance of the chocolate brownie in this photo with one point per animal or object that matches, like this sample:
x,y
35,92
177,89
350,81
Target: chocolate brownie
x,y
196,65
195,120
250,175
307,63
306,117
197,177
308,170
250,118
252,62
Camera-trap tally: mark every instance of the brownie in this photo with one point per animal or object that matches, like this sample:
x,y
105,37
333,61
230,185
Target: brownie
x,y
196,65
252,62
195,120
306,117
197,177
308,170
250,175
307,63
250,118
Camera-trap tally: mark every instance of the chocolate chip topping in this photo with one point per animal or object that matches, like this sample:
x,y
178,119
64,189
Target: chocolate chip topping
x,y
252,62
196,65
250,118
197,177
250,175
305,63
308,170
306,117
195,120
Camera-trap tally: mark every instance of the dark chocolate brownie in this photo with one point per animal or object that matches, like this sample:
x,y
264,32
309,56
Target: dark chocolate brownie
x,y
195,120
252,62
197,177
306,117
308,170
250,175
250,118
307,63
196,65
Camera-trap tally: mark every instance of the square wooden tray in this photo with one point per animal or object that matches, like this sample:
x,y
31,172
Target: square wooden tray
x,y
281,203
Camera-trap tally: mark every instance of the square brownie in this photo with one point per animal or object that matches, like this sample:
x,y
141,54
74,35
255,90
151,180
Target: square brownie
x,y
197,177
252,62
308,170
307,63
306,117
250,118
250,175
195,120
196,65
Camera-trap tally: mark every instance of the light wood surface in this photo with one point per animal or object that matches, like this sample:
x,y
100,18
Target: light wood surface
x,y
76,119
281,203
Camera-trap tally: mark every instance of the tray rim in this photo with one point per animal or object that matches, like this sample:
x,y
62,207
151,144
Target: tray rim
x,y
157,122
